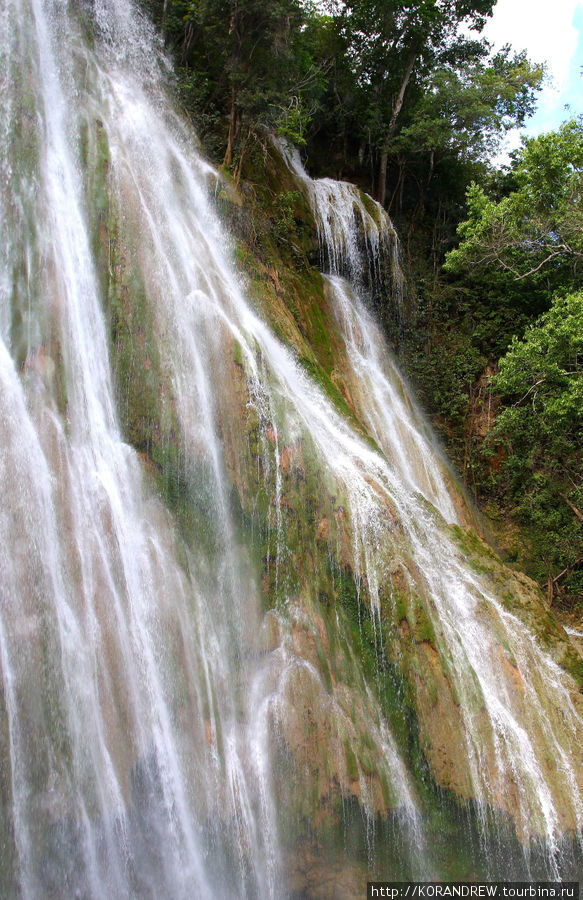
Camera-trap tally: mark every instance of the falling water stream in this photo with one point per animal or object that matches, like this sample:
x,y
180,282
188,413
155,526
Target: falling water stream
x,y
146,694
526,742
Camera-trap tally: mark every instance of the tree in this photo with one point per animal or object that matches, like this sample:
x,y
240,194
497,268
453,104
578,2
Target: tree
x,y
540,428
391,43
242,64
538,225
454,127
464,110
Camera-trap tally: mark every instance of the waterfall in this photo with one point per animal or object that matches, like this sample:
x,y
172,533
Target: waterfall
x,y
123,657
199,548
467,633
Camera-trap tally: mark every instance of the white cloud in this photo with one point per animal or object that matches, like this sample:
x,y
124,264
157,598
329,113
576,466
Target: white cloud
x,y
549,34
545,30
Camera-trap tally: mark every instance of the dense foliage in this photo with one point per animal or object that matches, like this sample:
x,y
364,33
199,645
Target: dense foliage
x,y
242,64
385,91
540,429
527,243
538,225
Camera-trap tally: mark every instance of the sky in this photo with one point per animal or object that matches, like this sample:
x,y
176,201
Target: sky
x,y
550,31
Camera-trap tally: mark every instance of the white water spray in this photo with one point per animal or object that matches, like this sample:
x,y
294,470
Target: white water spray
x,y
141,715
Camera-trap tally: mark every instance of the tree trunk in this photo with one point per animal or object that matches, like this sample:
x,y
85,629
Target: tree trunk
x,y
397,186
382,181
233,65
382,177
431,167
232,128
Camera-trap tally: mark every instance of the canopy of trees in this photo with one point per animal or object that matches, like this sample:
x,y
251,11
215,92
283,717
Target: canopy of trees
x,y
541,430
520,264
539,225
384,91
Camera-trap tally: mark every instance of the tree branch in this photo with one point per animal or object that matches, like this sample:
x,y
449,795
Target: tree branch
x,y
531,388
577,512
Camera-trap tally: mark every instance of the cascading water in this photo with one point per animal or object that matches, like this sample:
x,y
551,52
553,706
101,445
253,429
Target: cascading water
x,y
161,733
470,622
124,659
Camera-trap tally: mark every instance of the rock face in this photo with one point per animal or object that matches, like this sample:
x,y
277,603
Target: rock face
x,y
248,625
